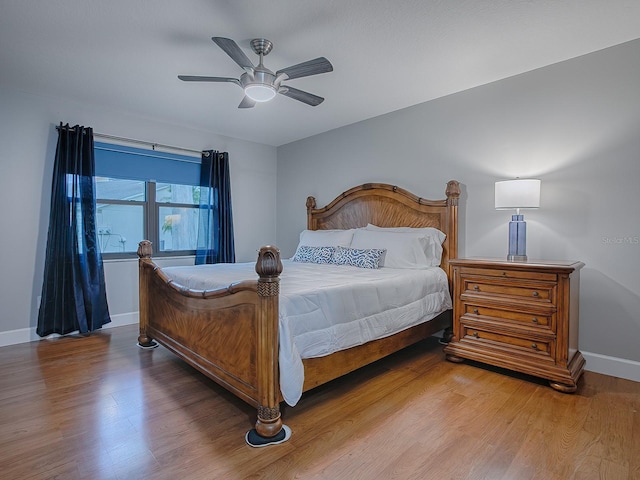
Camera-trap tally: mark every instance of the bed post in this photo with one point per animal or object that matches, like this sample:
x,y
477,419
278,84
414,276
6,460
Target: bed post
x,y
144,262
453,194
312,223
268,267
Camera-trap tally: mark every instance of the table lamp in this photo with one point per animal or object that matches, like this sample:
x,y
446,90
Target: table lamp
x,y
517,194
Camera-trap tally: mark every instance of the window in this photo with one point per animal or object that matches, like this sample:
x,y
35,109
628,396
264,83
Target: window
x,y
131,207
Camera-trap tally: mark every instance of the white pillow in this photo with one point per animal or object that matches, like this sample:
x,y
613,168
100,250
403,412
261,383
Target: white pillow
x,y
433,242
431,231
402,250
326,238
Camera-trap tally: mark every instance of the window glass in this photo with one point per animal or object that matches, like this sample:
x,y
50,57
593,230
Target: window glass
x,y
177,216
178,228
120,227
120,189
175,193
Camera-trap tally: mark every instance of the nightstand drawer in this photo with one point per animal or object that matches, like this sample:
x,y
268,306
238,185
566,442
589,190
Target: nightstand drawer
x,y
510,274
534,292
543,347
530,318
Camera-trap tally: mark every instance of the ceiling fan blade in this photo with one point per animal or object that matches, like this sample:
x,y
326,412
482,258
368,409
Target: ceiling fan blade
x,y
232,49
195,78
247,103
304,97
305,69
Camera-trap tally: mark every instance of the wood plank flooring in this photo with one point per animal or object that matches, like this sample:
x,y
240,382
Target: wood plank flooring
x,y
98,407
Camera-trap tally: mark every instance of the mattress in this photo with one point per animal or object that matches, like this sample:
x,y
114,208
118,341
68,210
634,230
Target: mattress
x,y
325,308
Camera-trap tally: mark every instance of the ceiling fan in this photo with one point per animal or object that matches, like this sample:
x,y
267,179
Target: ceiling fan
x,y
258,82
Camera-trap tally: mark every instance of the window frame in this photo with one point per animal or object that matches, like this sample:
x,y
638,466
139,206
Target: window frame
x,y
123,162
151,221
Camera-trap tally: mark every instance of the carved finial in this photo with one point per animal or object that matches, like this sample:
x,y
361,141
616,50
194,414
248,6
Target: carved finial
x,y
269,265
311,203
453,192
145,249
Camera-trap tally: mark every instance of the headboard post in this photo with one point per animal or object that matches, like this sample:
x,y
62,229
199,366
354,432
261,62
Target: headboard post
x,y
453,192
453,195
311,205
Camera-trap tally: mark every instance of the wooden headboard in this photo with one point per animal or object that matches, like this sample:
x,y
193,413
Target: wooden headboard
x,y
390,206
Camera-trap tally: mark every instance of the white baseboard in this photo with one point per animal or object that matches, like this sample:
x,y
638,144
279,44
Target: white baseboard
x,y
13,337
123,319
613,366
24,335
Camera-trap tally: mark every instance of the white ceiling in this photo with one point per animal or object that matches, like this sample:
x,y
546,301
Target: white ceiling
x,y
387,54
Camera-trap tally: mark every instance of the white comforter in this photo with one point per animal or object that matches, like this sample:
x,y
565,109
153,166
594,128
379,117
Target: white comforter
x,y
327,308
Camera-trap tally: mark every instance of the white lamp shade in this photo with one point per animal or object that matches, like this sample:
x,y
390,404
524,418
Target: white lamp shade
x,y
519,193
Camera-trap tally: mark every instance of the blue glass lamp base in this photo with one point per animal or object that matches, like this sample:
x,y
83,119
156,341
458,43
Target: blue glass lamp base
x,y
517,239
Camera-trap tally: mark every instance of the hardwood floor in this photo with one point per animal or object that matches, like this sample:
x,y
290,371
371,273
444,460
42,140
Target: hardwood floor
x,y
99,407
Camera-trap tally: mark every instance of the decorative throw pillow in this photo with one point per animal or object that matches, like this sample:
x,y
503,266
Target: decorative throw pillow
x,y
308,254
358,257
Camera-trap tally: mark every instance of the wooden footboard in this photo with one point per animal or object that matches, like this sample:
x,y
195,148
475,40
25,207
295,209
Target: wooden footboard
x,y
229,334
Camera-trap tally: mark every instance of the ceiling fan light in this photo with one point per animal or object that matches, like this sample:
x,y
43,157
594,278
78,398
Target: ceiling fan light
x,y
260,92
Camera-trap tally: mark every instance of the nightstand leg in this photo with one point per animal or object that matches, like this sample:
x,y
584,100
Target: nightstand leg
x,y
454,358
563,387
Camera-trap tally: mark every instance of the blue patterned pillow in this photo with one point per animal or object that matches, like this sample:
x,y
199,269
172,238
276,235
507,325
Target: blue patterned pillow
x,y
308,254
358,257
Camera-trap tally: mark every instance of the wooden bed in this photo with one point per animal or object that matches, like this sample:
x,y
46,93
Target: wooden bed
x,y
231,334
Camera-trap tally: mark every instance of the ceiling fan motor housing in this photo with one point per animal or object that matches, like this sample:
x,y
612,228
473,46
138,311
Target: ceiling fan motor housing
x,y
260,87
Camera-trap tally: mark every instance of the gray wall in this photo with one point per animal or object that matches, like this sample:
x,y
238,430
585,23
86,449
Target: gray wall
x,y
28,140
575,125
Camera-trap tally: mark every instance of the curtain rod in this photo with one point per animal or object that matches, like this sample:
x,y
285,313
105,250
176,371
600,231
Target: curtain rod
x,y
143,142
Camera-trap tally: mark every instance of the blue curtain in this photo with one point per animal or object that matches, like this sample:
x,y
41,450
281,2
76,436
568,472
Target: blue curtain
x,y
215,229
73,291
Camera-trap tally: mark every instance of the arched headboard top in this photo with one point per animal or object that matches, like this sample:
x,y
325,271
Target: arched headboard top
x,y
387,205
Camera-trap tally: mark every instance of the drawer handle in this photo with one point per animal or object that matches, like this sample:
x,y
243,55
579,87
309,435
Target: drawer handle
x,y
475,310
534,346
536,294
476,288
534,320
475,334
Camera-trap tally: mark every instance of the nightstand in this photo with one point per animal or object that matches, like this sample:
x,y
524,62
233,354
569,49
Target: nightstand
x,y
522,316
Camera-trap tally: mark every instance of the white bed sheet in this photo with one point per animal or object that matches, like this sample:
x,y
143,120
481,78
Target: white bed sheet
x,y
327,308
